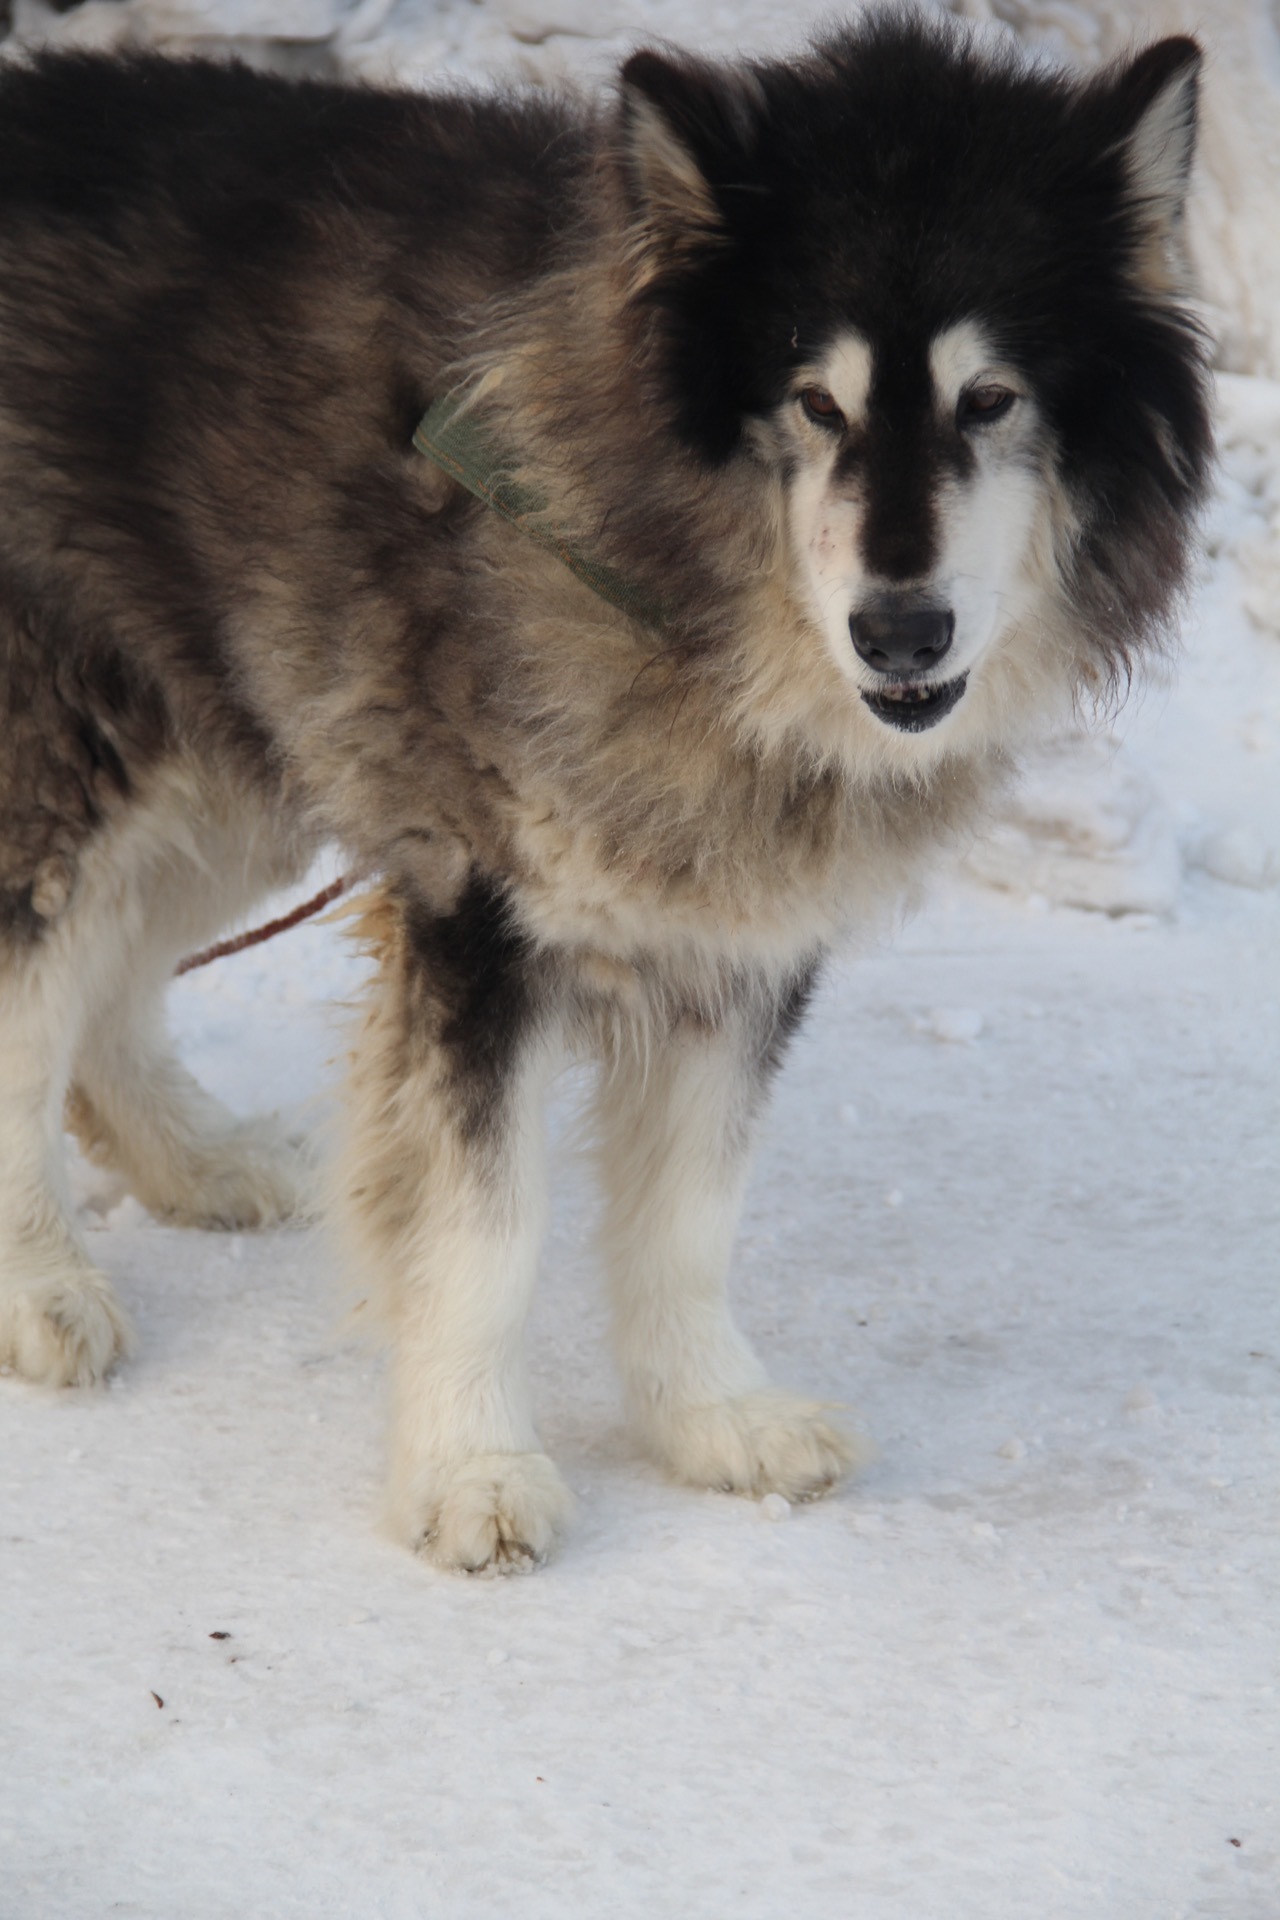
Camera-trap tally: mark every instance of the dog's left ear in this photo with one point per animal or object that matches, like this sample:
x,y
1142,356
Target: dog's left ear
x,y
688,127
1156,95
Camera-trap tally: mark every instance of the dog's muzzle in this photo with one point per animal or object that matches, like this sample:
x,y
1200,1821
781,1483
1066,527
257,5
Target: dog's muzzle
x,y
904,639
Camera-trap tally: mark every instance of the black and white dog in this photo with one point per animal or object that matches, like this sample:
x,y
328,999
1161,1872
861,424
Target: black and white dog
x,y
639,534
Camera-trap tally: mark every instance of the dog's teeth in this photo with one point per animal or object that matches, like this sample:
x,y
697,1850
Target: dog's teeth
x,y
935,700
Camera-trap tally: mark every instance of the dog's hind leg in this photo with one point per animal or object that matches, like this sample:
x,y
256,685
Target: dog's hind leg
x,y
133,1105
59,1321
191,1162
443,1196
82,1034
675,1129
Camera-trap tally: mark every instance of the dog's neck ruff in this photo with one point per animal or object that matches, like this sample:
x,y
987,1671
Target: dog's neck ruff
x,y
450,435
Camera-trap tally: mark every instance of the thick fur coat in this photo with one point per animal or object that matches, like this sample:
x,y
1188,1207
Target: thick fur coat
x,y
872,368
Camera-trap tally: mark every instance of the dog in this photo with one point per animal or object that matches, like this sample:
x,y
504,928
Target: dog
x,y
640,535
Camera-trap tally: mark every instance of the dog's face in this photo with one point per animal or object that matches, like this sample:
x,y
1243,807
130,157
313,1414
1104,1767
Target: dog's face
x,y
914,494
936,290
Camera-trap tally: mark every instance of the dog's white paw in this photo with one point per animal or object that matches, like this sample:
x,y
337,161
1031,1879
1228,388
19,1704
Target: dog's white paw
x,y
494,1513
63,1331
762,1442
255,1177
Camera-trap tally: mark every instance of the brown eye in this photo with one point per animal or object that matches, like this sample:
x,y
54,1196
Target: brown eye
x,y
820,406
983,404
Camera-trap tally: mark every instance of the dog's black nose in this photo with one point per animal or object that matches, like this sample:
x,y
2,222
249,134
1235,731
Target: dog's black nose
x,y
896,639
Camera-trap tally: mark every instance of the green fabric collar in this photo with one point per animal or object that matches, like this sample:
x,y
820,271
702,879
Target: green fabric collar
x,y
461,448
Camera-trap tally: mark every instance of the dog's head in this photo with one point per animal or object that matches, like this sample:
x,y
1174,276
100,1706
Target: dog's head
x,y
936,289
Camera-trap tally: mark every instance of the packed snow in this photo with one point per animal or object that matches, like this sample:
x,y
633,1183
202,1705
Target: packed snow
x,y
1016,1202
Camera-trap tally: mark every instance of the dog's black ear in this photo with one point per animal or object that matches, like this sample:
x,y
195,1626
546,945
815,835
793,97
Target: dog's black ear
x,y
687,127
1156,95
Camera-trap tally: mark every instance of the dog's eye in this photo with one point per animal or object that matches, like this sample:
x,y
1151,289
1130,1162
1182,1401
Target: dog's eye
x,y
820,406
980,405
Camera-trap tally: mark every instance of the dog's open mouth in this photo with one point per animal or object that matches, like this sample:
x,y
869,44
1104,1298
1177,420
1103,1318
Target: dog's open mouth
x,y
913,708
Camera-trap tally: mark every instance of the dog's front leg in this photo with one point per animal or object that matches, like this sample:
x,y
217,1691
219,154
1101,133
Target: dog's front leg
x,y
676,1126
445,1192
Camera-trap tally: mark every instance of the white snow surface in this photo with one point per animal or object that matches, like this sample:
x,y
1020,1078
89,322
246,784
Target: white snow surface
x,y
1016,1201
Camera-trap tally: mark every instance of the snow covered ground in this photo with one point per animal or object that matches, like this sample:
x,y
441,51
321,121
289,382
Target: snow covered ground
x,y
1017,1202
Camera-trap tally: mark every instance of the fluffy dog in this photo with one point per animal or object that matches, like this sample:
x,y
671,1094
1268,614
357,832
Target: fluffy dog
x,y
798,435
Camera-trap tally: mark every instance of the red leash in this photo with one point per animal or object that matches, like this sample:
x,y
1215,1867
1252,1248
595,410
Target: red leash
x,y
256,935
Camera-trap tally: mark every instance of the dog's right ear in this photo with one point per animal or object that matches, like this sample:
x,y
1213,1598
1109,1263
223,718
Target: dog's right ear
x,y
688,127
